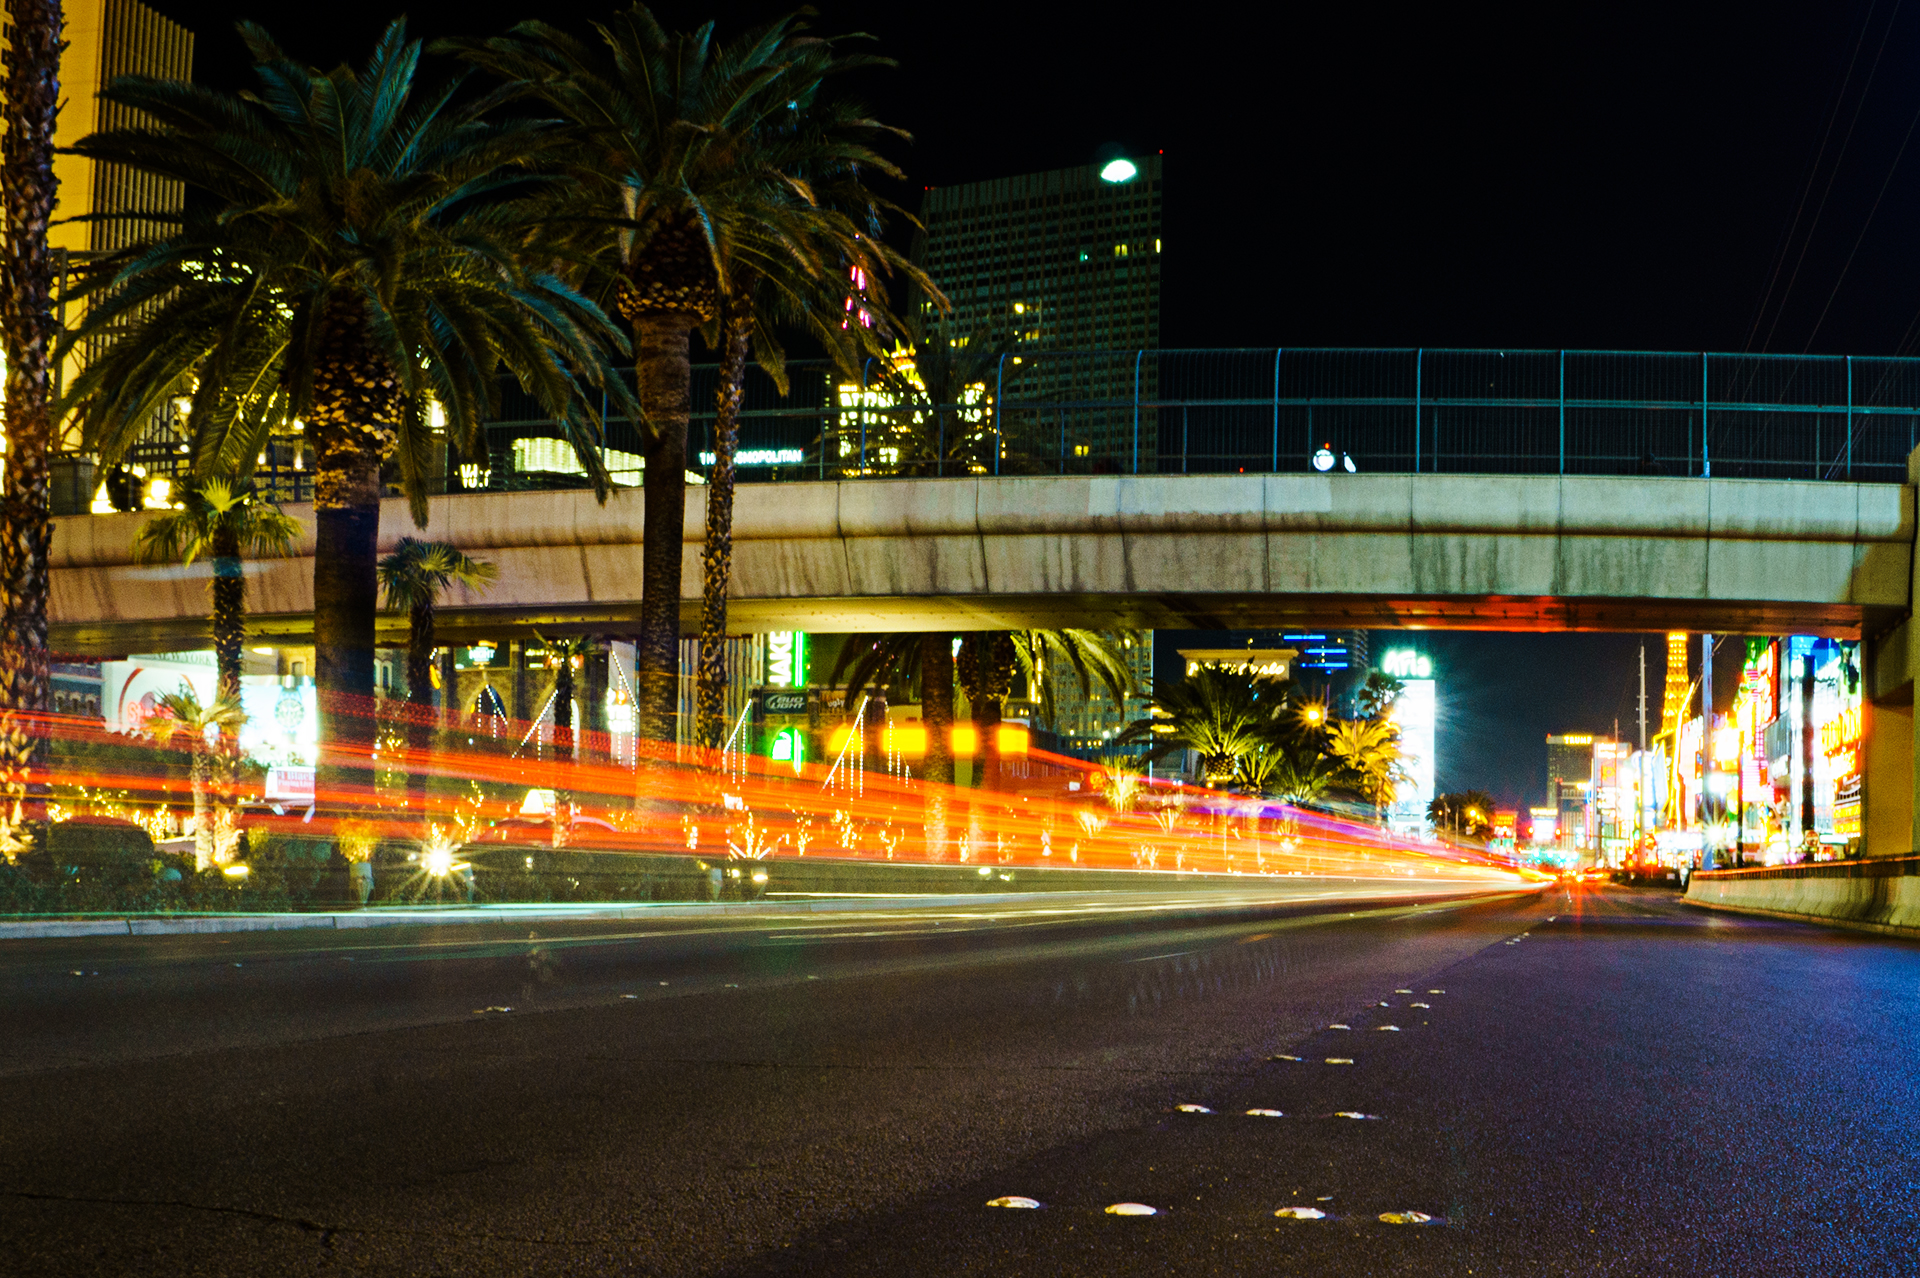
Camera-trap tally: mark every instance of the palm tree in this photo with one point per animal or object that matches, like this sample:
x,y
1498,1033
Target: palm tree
x,y
1467,813
1377,695
182,714
354,254
222,522
27,330
562,655
413,577
1368,750
909,657
1122,781
714,167
1284,774
1222,715
1090,655
934,429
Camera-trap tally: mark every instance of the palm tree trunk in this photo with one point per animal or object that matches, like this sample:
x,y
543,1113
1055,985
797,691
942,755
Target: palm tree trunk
x,y
936,718
563,750
229,625
202,818
229,621
987,713
27,329
420,646
716,555
663,373
356,405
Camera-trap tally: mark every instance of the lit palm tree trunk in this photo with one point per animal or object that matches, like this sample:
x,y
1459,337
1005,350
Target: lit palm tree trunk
x,y
26,332
563,747
356,407
936,717
200,773
420,727
716,556
664,375
229,624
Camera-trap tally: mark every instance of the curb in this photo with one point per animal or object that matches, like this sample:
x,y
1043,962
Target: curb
x,y
379,916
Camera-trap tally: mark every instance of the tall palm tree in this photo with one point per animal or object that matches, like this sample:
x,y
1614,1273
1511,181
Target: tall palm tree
x,y
712,170
353,254
413,577
222,522
911,657
183,714
27,329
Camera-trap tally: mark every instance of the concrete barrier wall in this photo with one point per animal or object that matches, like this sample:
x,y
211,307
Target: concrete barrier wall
x,y
1875,895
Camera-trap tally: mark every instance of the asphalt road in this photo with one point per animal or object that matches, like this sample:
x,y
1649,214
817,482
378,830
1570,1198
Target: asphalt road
x,y
1611,1082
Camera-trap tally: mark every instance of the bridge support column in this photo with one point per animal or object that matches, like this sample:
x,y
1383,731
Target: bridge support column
x,y
1890,747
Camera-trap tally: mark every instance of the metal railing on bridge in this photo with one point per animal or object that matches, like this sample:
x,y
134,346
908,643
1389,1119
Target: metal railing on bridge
x,y
1414,410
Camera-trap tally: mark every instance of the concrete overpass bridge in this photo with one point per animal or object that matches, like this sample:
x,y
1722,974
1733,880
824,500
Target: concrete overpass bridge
x,y
1519,552
1526,552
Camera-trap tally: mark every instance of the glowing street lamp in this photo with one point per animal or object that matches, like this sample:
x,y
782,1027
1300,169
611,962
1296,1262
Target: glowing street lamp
x,y
1117,171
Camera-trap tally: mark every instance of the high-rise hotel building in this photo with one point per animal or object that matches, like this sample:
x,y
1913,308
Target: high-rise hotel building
x,y
1062,271
108,38
1061,261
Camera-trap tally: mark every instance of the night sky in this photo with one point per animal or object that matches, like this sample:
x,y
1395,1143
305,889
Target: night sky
x,y
1654,177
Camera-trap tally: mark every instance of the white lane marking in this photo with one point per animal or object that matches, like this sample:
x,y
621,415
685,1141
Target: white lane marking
x,y
1151,957
1131,1209
1014,1200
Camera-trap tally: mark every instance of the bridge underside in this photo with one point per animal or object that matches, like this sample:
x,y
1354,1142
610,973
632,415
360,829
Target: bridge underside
x,y
1143,612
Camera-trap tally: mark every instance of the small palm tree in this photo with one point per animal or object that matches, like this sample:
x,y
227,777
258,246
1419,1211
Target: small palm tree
x,y
1377,695
1223,716
563,655
1368,751
182,714
354,256
413,577
1466,813
933,430
1286,775
1123,781
222,522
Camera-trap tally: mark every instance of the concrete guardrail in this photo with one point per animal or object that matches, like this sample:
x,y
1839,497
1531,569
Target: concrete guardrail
x,y
1875,895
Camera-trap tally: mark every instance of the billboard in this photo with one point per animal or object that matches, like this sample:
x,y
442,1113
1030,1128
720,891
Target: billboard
x,y
1414,713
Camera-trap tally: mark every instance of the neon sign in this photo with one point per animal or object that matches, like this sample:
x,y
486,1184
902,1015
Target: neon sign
x,y
1403,663
786,659
1842,732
